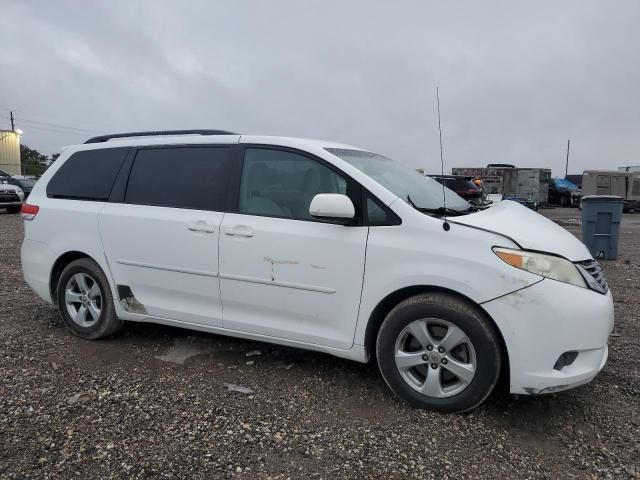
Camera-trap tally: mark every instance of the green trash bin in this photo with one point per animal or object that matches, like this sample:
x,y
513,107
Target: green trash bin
x,y
601,216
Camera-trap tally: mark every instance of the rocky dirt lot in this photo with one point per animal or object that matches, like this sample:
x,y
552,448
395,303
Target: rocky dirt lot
x,y
152,403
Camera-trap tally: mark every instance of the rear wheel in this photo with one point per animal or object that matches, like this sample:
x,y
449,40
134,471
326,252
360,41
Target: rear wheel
x,y
85,301
436,351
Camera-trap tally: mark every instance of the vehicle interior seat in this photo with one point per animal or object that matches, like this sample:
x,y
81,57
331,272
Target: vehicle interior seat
x,y
255,199
316,180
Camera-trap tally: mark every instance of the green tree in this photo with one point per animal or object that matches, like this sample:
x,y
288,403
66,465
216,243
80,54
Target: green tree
x,y
34,162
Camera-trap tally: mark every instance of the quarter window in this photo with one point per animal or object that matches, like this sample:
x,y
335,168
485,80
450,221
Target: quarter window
x,y
376,214
87,175
379,215
180,177
282,184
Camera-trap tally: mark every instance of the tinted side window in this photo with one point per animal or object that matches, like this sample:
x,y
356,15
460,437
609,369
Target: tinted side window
x,y
282,184
180,177
87,175
379,215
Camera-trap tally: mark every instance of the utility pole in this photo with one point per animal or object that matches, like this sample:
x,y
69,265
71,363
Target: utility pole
x,y
13,127
566,168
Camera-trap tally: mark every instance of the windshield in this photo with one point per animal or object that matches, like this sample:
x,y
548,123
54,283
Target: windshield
x,y
562,183
405,182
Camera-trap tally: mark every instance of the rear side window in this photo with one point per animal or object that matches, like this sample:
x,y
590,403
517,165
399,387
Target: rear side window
x,y
180,177
87,175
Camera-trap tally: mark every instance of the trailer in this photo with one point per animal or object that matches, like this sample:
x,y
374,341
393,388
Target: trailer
x,y
531,184
611,182
629,168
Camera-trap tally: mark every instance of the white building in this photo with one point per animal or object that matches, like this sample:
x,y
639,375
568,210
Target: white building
x,y
10,152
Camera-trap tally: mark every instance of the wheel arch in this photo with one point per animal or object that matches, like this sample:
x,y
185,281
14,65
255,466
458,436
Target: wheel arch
x,y
59,265
383,308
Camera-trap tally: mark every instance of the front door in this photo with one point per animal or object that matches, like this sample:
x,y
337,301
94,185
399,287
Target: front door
x,y
162,241
283,273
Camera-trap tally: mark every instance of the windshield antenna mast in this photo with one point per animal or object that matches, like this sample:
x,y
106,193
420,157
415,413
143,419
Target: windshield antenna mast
x,y
445,225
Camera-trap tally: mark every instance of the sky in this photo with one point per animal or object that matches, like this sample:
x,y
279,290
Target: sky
x,y
517,79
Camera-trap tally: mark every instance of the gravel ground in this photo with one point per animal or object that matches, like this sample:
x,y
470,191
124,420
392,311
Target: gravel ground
x,y
152,403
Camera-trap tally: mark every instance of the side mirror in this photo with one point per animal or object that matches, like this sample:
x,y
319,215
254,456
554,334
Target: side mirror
x,y
332,206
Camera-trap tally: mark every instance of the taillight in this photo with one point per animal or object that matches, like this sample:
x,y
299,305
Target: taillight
x,y
29,211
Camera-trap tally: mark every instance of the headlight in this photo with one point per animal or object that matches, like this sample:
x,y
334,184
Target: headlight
x,y
548,266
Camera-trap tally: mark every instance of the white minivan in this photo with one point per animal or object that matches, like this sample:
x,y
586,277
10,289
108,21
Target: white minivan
x,y
320,246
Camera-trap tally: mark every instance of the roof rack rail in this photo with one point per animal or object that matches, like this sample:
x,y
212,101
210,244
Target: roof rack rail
x,y
157,133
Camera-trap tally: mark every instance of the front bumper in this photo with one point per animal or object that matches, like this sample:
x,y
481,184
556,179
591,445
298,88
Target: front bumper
x,y
541,322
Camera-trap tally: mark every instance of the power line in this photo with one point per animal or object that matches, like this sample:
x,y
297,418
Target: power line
x,y
67,127
47,124
49,129
60,120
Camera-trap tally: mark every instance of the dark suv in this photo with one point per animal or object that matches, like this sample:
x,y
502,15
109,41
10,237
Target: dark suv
x,y
463,186
564,193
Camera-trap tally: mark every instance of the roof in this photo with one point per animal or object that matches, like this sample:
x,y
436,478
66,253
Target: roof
x,y
148,138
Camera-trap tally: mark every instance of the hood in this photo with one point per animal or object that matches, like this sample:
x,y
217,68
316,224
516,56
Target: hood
x,y
529,229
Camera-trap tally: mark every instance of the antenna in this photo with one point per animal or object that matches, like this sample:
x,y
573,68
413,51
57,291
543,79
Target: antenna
x,y
566,168
445,225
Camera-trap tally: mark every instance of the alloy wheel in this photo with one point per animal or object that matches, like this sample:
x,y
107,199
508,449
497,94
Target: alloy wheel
x,y
435,357
83,299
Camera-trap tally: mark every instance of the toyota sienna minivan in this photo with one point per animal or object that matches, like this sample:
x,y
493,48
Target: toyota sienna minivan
x,y
316,245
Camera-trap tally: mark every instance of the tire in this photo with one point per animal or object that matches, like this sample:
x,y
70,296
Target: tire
x,y
479,353
99,319
13,209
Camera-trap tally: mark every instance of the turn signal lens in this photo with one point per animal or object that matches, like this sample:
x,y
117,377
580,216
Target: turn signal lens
x,y
28,211
511,258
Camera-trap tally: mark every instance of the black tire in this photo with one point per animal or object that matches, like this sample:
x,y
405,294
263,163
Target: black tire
x,y
474,324
108,323
13,209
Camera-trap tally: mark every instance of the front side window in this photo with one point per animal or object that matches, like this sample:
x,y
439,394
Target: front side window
x,y
282,184
87,175
405,182
180,177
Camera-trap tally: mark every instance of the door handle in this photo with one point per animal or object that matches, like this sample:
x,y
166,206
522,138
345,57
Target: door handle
x,y
238,231
201,227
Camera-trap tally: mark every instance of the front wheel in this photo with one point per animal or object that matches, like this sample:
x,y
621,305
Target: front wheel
x,y
436,351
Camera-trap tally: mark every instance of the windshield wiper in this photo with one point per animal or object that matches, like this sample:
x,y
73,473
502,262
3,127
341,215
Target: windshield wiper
x,y
442,210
